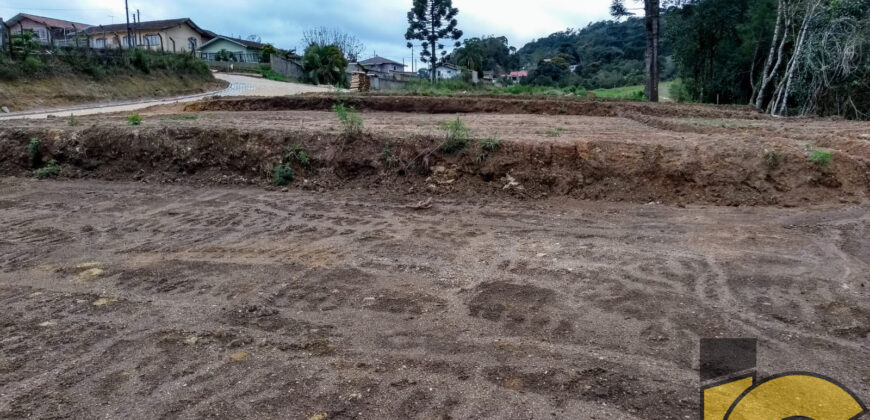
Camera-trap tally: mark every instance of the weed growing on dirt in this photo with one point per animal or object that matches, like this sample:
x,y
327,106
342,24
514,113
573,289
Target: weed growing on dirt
x,y
134,119
388,157
33,153
821,157
562,110
51,170
296,154
184,117
351,122
283,175
458,135
73,121
772,159
490,145
556,132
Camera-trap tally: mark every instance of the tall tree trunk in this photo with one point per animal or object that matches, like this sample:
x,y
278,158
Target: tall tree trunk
x,y
784,88
651,8
769,73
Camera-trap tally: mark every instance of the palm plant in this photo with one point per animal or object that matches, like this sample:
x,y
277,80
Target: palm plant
x,y
325,64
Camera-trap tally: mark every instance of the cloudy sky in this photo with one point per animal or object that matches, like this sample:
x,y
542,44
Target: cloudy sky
x,y
380,24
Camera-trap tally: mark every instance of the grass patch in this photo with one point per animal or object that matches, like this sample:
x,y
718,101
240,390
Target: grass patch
x,y
52,170
490,145
351,122
134,119
283,175
457,136
772,159
296,154
820,157
72,121
556,132
388,157
184,117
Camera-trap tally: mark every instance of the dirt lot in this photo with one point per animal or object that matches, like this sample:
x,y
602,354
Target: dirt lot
x,y
162,277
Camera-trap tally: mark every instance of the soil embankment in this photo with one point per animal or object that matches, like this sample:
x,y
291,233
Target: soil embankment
x,y
636,157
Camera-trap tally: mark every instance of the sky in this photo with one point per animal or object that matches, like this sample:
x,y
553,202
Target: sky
x,y
379,24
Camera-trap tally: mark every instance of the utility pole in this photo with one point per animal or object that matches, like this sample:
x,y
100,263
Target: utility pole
x,y
138,27
129,32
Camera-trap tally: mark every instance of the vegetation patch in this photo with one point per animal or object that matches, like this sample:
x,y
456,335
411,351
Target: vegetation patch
x,y
51,170
283,175
457,136
351,122
134,119
820,157
34,154
772,159
187,117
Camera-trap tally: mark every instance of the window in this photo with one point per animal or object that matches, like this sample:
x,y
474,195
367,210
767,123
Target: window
x,y
191,43
100,43
127,42
152,40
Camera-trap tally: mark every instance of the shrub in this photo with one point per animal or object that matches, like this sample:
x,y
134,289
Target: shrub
x,y
490,145
34,154
51,170
772,159
73,121
458,135
387,156
296,154
821,157
283,175
134,119
351,122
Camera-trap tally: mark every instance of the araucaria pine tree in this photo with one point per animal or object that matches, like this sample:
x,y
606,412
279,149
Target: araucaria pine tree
x,y
432,21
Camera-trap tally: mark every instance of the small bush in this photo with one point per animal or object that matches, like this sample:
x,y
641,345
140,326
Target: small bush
x,y
556,132
72,121
821,157
490,145
562,110
52,170
283,175
351,122
458,135
34,154
296,154
772,159
387,156
134,119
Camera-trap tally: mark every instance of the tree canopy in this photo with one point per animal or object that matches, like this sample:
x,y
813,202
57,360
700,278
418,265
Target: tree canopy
x,y
431,22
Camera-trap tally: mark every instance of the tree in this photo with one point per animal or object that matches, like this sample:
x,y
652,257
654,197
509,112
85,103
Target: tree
x,y
431,21
351,47
325,64
486,54
651,67
266,52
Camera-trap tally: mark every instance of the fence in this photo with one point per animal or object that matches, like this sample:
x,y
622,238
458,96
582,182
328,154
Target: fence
x,y
236,57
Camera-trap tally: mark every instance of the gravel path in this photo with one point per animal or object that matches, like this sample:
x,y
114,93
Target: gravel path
x,y
239,86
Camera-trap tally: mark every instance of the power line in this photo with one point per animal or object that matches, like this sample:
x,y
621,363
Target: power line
x,y
52,10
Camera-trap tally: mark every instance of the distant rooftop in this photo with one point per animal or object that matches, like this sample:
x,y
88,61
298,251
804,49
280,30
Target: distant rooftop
x,y
47,21
377,61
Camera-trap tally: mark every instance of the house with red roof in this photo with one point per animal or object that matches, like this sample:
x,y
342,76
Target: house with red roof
x,y
517,76
48,31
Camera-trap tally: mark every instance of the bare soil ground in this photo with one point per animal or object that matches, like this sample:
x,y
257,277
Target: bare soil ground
x,y
129,300
162,277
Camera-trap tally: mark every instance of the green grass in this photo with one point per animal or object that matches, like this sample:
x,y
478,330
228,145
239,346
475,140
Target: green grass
x,y
821,157
633,92
52,170
453,87
457,136
134,119
189,117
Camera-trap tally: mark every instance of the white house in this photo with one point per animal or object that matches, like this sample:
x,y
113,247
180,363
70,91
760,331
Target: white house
x,y
447,71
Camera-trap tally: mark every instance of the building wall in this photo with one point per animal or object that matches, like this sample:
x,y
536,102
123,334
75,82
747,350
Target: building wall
x,y
180,34
446,73
242,53
40,29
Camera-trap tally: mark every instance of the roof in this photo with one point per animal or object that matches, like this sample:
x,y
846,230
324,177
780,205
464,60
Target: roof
x,y
519,74
47,21
242,42
151,25
449,66
377,61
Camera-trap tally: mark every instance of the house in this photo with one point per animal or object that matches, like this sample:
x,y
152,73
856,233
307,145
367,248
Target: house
x,y
517,76
172,35
447,71
49,32
382,65
240,50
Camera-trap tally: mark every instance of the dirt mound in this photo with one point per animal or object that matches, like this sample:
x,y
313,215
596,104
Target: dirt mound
x,y
473,104
730,174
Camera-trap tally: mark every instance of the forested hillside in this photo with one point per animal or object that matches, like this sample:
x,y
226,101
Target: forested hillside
x,y
606,54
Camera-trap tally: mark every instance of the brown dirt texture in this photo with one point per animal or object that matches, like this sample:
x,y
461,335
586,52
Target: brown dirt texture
x,y
569,273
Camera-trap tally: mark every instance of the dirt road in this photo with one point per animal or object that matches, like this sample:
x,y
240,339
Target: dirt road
x,y
239,85
146,301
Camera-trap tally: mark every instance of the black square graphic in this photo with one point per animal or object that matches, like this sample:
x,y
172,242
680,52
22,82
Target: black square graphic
x,y
726,356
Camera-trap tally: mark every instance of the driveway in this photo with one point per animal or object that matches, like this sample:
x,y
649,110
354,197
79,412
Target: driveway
x,y
239,86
